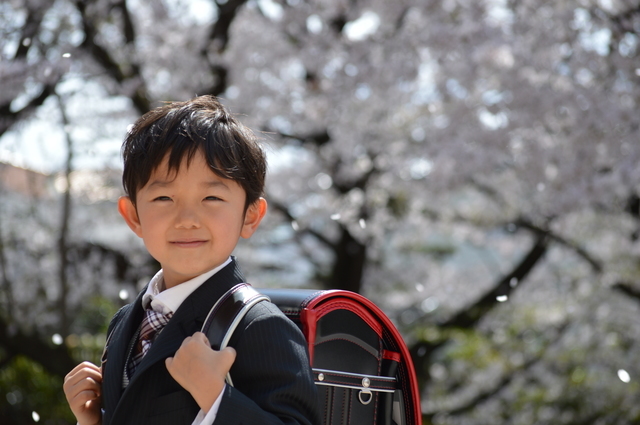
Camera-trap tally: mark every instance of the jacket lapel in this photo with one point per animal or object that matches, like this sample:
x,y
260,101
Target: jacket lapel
x,y
189,317
117,349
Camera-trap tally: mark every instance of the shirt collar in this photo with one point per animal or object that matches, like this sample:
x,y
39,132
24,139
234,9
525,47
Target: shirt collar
x,y
167,301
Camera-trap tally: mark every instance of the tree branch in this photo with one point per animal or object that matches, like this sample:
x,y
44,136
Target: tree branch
x,y
595,264
64,226
219,35
6,285
30,29
471,315
279,206
628,289
9,117
105,59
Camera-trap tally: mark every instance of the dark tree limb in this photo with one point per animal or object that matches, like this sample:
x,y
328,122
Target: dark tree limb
x,y
349,255
279,206
628,289
470,316
219,35
9,117
103,57
128,30
317,138
217,44
525,224
65,218
28,38
5,283
348,266
98,52
30,30
221,80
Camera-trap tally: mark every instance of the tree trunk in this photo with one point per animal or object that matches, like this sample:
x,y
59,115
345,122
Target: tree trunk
x,y
348,267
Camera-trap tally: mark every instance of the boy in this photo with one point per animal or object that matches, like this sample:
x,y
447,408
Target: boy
x,y
194,179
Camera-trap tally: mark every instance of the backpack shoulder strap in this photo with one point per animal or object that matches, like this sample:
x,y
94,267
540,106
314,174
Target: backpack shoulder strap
x,y
226,314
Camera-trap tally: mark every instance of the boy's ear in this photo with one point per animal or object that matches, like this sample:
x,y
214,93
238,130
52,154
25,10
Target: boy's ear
x,y
252,218
128,211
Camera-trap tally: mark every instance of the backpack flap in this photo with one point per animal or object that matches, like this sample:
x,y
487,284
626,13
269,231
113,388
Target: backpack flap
x,y
361,365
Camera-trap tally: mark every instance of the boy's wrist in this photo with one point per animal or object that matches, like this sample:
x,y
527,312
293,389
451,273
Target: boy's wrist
x,y
207,397
96,423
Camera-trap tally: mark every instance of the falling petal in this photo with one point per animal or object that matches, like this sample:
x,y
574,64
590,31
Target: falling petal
x,y
123,294
624,376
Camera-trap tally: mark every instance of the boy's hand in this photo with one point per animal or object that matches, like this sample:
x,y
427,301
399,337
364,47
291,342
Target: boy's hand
x,y
200,369
83,388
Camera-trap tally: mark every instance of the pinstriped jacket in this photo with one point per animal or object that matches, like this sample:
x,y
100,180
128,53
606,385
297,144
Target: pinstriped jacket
x,y
271,374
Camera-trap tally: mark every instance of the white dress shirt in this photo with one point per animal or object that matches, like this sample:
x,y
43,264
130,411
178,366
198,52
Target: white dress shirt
x,y
168,300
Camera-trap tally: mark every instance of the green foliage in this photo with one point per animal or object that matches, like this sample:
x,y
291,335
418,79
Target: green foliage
x,y
31,395
95,315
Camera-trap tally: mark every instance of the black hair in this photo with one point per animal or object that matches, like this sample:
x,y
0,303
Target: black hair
x,y
181,129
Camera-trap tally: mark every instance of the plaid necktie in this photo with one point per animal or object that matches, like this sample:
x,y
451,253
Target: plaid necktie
x,y
152,324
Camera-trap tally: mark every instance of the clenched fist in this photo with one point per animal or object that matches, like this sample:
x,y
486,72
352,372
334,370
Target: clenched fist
x,y
201,370
83,389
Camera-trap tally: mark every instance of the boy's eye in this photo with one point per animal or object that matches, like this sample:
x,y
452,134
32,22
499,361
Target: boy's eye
x,y
162,198
212,198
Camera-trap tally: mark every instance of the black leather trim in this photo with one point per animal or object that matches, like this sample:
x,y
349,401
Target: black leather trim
x,y
223,313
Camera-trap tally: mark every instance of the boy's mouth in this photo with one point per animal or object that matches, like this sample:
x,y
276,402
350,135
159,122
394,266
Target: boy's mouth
x,y
189,243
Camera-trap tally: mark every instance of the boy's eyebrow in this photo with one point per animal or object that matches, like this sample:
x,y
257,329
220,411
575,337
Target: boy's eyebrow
x,y
166,183
215,183
159,183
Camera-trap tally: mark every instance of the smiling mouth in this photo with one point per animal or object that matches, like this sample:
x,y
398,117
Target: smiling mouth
x,y
188,243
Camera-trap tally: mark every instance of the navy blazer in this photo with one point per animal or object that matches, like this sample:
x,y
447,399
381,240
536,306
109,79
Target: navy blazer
x,y
272,378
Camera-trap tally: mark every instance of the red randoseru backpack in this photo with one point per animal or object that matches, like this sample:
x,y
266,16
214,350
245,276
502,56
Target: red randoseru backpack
x,y
360,362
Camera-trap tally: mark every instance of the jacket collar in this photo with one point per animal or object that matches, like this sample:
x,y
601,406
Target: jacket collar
x,y
188,319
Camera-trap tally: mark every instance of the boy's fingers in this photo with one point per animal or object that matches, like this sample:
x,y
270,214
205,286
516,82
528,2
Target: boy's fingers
x,y
227,356
84,367
83,379
88,375
199,336
86,383
78,396
84,396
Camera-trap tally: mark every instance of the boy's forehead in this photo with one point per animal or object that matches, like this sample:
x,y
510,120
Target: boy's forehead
x,y
163,174
186,161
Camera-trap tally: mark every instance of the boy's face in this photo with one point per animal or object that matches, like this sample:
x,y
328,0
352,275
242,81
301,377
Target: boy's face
x,y
190,221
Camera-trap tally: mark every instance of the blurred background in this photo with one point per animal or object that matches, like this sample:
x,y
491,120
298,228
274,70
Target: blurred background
x,y
472,166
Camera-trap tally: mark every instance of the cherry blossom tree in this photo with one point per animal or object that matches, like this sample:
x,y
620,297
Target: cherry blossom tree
x,y
471,166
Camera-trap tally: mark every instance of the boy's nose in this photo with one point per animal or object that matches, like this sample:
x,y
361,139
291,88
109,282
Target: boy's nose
x,y
187,218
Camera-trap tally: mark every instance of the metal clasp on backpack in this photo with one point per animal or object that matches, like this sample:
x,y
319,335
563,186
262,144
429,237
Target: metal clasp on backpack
x,y
365,383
